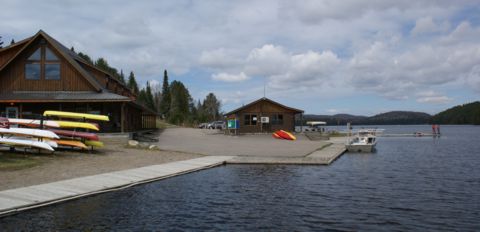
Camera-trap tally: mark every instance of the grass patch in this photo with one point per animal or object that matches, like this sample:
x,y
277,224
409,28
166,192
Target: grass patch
x,y
162,124
12,161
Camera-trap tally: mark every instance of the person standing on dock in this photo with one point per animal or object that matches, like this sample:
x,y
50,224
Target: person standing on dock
x,y
438,129
434,131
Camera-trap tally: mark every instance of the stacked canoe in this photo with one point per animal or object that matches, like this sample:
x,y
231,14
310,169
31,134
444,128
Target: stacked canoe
x,y
51,134
76,133
281,134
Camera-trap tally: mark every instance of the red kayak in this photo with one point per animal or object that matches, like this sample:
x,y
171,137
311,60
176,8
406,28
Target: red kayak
x,y
275,135
75,134
285,135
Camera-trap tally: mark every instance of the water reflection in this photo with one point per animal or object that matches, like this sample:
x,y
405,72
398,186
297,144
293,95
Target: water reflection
x,y
408,184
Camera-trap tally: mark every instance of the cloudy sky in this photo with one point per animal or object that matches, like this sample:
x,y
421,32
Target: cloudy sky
x,y
323,56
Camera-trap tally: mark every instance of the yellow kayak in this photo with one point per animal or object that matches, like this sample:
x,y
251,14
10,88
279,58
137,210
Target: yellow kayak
x,y
76,115
70,143
93,143
84,125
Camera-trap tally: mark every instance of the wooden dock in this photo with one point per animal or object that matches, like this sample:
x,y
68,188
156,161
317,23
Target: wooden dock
x,y
324,156
15,200
410,135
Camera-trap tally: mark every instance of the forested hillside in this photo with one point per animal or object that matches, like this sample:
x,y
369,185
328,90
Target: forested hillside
x,y
461,114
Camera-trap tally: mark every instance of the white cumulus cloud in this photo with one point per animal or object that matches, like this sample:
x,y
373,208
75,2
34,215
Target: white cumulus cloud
x,y
230,77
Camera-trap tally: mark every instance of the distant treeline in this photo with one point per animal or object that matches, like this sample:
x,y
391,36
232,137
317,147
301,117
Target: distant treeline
x,y
389,118
462,114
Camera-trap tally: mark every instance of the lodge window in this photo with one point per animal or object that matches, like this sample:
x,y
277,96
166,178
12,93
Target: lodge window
x,y
277,119
42,63
250,119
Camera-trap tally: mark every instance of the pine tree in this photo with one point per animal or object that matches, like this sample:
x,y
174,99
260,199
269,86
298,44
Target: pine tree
x,y
142,96
102,64
72,49
85,57
180,102
12,42
121,77
132,83
166,96
149,102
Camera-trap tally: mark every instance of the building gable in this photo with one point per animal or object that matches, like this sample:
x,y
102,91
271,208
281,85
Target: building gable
x,y
265,105
72,76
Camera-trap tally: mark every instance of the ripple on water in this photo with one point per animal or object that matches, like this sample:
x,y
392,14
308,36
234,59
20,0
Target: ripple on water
x,y
408,184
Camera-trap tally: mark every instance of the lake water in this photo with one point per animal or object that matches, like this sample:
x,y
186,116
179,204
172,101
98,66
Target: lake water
x,y
422,184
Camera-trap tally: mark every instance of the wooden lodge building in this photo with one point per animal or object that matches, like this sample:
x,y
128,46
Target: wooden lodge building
x,y
264,115
39,73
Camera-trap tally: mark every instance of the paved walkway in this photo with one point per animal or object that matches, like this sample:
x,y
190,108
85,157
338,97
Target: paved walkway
x,y
212,142
19,199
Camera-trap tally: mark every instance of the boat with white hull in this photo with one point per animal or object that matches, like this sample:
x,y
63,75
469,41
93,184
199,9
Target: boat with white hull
x,y
364,140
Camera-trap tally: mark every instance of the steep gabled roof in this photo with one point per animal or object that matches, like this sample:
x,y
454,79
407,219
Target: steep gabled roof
x,y
21,42
70,56
267,100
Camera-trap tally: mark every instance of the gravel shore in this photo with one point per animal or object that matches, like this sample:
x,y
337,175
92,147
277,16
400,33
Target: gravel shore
x,y
70,164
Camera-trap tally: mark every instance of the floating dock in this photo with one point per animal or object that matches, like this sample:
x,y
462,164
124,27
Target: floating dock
x,y
323,156
16,200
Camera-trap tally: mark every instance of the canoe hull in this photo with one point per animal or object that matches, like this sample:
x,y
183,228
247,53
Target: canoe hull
x,y
25,143
64,114
70,143
285,135
75,134
29,132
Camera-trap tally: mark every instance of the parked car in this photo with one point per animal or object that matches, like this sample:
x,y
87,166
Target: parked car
x,y
203,125
217,125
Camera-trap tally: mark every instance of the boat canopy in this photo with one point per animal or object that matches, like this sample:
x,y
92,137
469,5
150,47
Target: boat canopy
x,y
316,123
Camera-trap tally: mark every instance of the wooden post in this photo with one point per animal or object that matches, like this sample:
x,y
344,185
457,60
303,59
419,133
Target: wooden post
x,y
122,117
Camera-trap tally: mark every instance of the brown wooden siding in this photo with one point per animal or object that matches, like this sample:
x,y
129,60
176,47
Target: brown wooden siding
x,y
13,77
134,119
265,109
8,54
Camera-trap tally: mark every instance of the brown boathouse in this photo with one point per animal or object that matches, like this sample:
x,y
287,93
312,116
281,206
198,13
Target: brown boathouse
x,y
39,73
264,115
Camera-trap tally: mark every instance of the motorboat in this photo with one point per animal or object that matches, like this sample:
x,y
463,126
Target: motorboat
x,y
363,140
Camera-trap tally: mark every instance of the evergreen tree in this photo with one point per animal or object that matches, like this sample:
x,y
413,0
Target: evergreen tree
x,y
121,77
211,107
166,96
12,42
132,83
85,57
149,102
142,97
72,49
180,102
1,43
102,64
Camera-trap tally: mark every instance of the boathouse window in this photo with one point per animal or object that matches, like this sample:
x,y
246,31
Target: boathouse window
x,y
250,119
42,63
277,119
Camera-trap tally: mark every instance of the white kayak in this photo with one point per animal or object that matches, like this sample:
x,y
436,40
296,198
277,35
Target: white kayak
x,y
33,122
29,132
52,143
26,143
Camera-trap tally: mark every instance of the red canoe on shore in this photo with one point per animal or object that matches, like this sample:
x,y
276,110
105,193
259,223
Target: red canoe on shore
x,y
275,135
285,135
75,134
